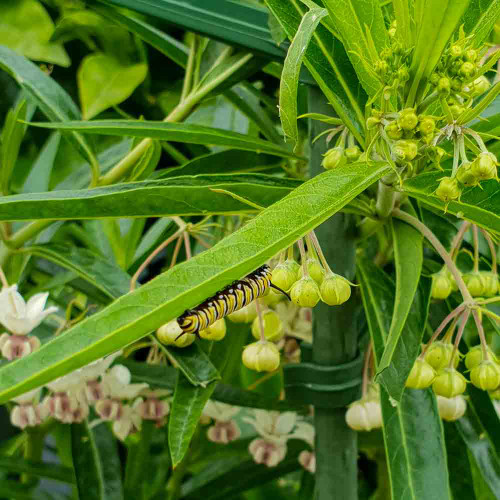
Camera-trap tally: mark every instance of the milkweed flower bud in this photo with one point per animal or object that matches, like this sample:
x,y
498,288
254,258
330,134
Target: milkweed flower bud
x,y
490,281
444,86
405,150
486,375
305,292
273,326
170,334
421,375
449,383
484,167
441,286
372,122
448,189
439,354
408,119
216,331
316,272
393,131
333,158
475,356
284,276
480,85
435,154
467,69
261,356
471,55
456,51
475,284
335,290
427,125
364,415
451,409
244,315
466,176
352,154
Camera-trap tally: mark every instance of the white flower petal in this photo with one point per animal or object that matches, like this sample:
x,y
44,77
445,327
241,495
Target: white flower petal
x,y
286,422
35,304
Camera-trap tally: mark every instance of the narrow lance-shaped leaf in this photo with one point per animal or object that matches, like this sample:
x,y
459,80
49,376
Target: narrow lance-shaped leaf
x,y
479,19
136,314
290,76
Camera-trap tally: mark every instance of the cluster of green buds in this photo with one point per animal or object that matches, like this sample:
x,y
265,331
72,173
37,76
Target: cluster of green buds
x,y
340,156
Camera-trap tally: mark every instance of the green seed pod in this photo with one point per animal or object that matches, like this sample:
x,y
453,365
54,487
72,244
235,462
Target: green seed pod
x,y
168,334
372,122
334,158
393,131
486,376
335,290
444,86
484,167
427,125
245,315
448,189
352,154
273,327
467,69
408,119
465,175
439,355
471,55
449,383
480,85
456,51
490,281
316,272
261,356
216,331
441,286
405,149
421,375
284,276
305,292
475,284
475,356
451,409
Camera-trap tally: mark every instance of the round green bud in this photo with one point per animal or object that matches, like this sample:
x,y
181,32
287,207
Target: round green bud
x,y
171,334
244,315
480,85
216,331
261,356
449,383
435,154
402,74
467,69
490,281
335,290
372,122
334,158
444,85
439,354
405,149
471,55
393,131
352,154
364,415
386,54
456,85
456,110
441,286
273,326
427,125
448,189
408,119
305,292
484,167
271,298
475,284
316,272
465,175
456,51
284,276
421,375
451,409
381,67
475,356
486,376
434,79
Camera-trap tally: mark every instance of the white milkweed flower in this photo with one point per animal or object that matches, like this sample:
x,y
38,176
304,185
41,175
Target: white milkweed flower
x,y
129,422
224,430
117,383
17,346
220,411
20,317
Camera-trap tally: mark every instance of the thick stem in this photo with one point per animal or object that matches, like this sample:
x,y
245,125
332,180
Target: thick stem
x,y
439,249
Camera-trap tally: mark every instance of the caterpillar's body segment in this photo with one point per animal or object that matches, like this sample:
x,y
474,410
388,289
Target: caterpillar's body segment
x,y
231,299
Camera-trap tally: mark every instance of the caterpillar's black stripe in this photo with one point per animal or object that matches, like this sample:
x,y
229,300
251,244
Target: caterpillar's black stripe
x,y
231,299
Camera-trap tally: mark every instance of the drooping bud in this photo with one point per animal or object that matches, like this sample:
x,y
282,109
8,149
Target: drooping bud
x,y
444,86
475,356
284,276
316,272
456,51
335,289
427,125
333,158
467,69
484,167
352,154
448,189
466,176
244,315
490,281
480,85
261,356
439,354
402,74
170,334
475,283
456,110
381,67
273,326
393,131
441,286
364,415
421,375
408,119
471,55
372,122
216,331
449,383
405,149
486,375
451,409
305,292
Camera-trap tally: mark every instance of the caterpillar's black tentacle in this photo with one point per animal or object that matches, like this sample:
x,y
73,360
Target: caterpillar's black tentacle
x,y
280,290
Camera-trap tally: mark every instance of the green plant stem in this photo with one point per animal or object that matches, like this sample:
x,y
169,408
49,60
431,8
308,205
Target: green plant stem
x,y
385,196
476,248
413,221
493,251
464,318
457,240
33,448
188,76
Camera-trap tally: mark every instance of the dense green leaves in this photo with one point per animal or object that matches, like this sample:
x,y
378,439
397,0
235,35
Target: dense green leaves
x,y
39,469
480,17
136,314
189,195
479,204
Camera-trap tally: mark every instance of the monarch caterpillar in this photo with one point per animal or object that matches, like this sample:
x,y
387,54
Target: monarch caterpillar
x,y
230,299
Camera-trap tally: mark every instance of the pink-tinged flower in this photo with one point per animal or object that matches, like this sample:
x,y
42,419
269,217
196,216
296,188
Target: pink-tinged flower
x,y
28,415
153,409
20,317
223,431
109,409
65,408
17,346
129,421
267,452
308,460
272,425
